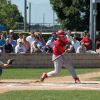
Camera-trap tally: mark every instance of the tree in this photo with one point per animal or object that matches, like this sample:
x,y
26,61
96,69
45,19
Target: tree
x,y
9,14
98,17
72,14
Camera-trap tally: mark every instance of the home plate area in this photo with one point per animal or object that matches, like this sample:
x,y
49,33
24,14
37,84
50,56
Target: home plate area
x,y
9,85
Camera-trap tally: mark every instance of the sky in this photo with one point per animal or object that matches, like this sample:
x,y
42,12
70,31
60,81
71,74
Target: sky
x,y
40,10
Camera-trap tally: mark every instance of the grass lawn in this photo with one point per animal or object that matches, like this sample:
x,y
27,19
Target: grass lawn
x,y
51,95
34,73
96,79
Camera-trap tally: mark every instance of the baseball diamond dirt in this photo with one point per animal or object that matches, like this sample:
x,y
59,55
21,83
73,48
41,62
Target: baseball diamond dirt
x,y
55,83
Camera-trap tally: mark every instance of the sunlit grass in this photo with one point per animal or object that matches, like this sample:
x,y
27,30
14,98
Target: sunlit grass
x,y
51,95
34,73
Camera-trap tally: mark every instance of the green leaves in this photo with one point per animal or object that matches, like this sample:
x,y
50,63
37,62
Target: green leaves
x,y
9,14
70,13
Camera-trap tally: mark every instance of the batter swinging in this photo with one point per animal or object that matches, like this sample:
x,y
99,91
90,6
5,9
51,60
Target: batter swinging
x,y
58,49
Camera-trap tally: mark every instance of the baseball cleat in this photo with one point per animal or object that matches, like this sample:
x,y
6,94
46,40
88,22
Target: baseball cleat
x,y
44,75
77,80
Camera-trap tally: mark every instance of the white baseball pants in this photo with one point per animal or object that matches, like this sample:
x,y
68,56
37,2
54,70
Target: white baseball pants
x,y
58,63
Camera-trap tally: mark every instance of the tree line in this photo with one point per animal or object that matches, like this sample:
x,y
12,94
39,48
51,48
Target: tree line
x,y
9,14
74,14
71,14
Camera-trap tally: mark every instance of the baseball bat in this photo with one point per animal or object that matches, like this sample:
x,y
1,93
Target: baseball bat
x,y
58,57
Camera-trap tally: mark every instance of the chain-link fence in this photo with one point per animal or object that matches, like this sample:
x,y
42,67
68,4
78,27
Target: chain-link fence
x,y
42,27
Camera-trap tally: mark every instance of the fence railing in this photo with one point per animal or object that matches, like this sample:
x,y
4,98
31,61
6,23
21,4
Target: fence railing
x,y
43,27
44,60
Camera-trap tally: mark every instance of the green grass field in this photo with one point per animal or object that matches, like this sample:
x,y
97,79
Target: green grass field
x,y
96,79
51,95
34,73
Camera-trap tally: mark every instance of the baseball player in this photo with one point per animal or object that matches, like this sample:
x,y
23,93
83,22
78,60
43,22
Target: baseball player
x,y
59,60
3,65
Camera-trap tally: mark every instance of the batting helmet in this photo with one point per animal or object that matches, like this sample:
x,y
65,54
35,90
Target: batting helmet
x,y
60,33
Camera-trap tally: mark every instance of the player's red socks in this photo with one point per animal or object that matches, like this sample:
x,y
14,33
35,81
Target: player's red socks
x,y
77,80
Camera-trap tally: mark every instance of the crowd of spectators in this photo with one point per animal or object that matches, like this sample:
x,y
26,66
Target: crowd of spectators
x,y
35,43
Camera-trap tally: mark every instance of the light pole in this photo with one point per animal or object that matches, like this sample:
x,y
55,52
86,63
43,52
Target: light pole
x,y
53,20
25,15
53,17
92,27
43,19
29,16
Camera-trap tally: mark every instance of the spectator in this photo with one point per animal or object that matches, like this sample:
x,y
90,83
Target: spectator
x,y
13,43
0,34
81,48
8,47
26,43
98,41
75,43
20,48
49,45
54,35
31,37
77,36
68,35
37,46
83,35
87,41
20,37
2,43
98,50
11,34
71,49
41,39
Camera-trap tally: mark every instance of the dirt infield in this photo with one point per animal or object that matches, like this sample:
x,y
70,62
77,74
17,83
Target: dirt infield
x,y
56,83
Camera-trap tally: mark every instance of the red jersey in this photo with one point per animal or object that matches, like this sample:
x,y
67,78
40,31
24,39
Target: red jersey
x,y
87,40
58,48
98,40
